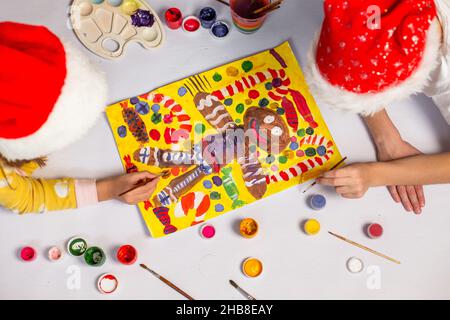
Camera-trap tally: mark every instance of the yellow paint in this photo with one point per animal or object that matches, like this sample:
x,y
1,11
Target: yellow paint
x,y
312,227
252,267
128,145
248,228
129,7
232,71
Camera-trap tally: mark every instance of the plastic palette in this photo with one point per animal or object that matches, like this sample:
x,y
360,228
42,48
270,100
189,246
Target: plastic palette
x,y
105,26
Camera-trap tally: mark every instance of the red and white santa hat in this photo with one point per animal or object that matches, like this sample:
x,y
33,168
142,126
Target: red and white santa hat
x,y
361,62
50,95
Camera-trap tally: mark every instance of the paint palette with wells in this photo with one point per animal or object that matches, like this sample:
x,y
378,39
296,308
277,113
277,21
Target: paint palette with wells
x,y
105,27
227,137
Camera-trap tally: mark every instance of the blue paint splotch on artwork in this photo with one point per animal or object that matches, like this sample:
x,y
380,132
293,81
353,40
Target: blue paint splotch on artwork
x,y
219,207
207,184
155,108
142,107
182,91
122,131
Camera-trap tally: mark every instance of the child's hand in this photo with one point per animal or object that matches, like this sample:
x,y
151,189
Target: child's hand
x,y
411,197
111,188
350,182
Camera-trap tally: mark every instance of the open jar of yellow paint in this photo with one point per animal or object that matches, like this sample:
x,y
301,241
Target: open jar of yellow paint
x,y
252,267
248,228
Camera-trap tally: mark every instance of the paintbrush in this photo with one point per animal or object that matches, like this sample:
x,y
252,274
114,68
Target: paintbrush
x,y
265,9
164,174
242,291
170,284
332,168
364,248
223,2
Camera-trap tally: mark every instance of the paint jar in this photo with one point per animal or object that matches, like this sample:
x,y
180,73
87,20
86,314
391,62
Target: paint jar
x,y
207,17
127,254
248,228
54,254
243,17
220,29
76,246
207,231
317,202
94,256
311,227
28,254
374,230
174,18
191,24
252,267
107,283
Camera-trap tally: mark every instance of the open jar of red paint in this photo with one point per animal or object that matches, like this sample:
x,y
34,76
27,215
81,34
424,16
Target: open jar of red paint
x,y
127,254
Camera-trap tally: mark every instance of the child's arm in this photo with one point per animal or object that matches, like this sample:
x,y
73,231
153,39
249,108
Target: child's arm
x,y
24,194
390,146
354,180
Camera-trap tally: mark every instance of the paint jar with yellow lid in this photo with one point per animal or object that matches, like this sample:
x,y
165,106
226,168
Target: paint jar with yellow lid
x,y
248,228
252,267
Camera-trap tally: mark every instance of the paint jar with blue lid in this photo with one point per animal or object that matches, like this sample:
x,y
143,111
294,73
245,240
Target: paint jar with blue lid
x,y
317,202
220,30
207,17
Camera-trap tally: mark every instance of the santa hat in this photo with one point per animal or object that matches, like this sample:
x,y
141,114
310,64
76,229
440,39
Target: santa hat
x,y
50,94
361,63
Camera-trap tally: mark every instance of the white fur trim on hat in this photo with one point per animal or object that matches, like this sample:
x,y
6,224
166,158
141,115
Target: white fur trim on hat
x,y
369,103
82,100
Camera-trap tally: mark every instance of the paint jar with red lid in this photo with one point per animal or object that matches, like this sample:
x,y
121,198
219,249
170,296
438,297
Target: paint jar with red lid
x,y
127,254
174,18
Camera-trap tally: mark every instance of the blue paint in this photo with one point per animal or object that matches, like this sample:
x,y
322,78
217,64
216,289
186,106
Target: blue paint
x,y
142,108
317,202
207,17
207,184
182,91
115,3
219,207
122,131
220,29
321,150
228,102
134,100
155,108
268,86
217,181
293,146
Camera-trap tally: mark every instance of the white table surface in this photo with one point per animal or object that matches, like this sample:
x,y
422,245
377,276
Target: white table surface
x,y
296,266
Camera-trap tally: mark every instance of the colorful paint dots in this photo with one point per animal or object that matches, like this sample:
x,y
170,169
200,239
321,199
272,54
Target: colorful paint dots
x,y
237,121
200,128
274,168
122,131
252,148
264,102
268,86
321,150
228,102
310,152
300,153
253,94
207,184
28,254
219,207
248,101
129,7
217,77
289,154
282,159
134,100
301,132
217,181
280,111
155,135
270,159
309,131
215,195
232,71
182,91
142,108
156,118
247,65
274,106
240,108
156,108
293,146
277,82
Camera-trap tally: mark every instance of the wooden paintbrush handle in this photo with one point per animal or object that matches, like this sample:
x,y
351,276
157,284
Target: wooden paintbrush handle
x,y
174,287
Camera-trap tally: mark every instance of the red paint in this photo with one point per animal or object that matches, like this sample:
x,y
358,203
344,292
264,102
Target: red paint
x,y
374,230
290,113
191,24
208,231
127,254
155,135
28,254
175,171
302,107
253,94
174,18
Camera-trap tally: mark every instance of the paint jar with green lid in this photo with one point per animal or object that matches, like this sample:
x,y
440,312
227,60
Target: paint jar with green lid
x,y
76,246
95,256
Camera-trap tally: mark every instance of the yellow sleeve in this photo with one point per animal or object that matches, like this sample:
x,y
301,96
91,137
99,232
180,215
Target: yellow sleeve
x,y
24,194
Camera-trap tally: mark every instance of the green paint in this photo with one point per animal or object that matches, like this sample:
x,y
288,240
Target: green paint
x,y
310,152
77,246
270,159
240,108
94,256
231,188
263,102
252,148
217,77
156,118
301,133
282,159
199,128
310,131
247,65
237,121
215,195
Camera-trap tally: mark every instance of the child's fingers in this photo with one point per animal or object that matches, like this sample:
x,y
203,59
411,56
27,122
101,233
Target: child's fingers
x,y
334,182
420,195
351,195
146,189
404,198
394,193
344,190
412,195
338,173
